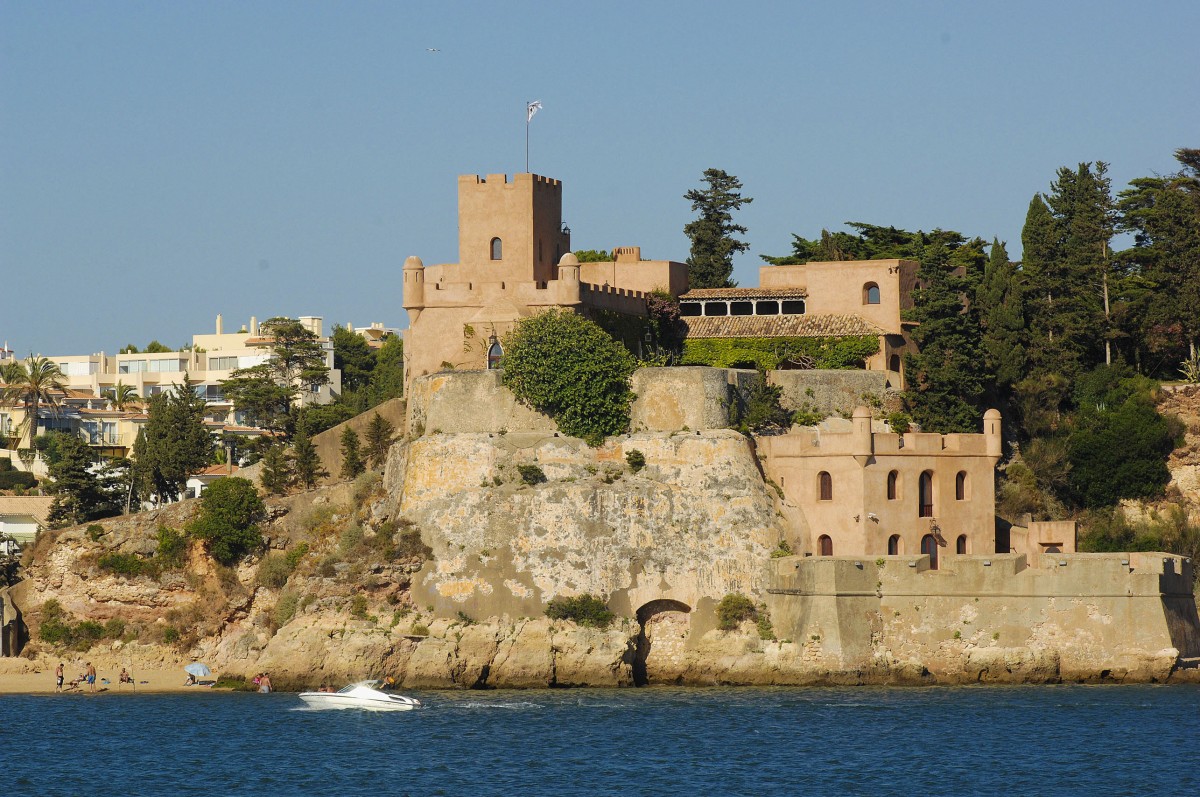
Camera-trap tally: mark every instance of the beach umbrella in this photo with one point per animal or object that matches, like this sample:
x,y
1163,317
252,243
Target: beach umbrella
x,y
197,669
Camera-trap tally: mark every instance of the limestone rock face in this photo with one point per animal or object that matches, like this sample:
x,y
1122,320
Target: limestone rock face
x,y
696,522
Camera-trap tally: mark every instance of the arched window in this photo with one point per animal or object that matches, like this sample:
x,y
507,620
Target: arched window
x,y
929,547
925,495
894,545
497,249
893,488
495,354
825,545
961,486
960,545
870,293
824,486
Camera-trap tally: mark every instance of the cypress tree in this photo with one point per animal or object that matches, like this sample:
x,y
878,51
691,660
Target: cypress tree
x,y
306,464
352,459
710,264
276,474
380,434
1002,319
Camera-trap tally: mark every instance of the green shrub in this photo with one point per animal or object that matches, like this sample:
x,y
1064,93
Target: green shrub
x,y
172,548
568,367
274,570
899,422
327,568
531,474
733,609
17,479
296,554
783,549
760,411
129,565
95,531
114,628
171,635
89,631
285,608
350,538
358,607
409,544
230,510
763,622
1119,451
586,610
636,460
419,630
237,683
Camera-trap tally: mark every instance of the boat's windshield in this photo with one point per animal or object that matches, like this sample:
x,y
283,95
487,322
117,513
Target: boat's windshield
x,y
357,684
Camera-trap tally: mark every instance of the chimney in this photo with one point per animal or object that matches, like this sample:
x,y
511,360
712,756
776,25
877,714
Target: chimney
x,y
220,325
254,326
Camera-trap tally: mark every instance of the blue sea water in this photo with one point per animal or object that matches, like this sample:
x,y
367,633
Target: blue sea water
x,y
1045,740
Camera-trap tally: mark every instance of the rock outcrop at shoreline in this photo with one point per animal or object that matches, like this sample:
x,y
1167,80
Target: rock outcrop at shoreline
x,y
438,574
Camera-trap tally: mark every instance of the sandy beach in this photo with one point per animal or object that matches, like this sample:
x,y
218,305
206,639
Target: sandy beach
x,y
23,677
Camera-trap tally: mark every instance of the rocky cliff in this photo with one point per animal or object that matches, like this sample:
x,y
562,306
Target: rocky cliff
x,y
439,571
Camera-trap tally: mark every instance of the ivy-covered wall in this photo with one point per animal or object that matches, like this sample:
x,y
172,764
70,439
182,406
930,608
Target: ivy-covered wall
x,y
767,353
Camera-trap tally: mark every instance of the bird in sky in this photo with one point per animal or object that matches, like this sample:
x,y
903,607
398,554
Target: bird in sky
x,y
432,50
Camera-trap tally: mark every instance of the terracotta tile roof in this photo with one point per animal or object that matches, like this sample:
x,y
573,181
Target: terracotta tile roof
x,y
36,505
779,326
217,470
744,293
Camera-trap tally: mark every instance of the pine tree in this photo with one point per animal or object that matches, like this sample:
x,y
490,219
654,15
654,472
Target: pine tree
x,y
1163,213
710,264
352,460
306,463
76,488
1001,319
947,377
276,475
174,443
380,434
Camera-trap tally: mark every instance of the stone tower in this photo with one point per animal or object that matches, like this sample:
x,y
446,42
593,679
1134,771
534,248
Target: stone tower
x,y
511,230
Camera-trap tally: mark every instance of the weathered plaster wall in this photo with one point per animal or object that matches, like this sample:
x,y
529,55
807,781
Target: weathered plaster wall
x,y
997,618
833,392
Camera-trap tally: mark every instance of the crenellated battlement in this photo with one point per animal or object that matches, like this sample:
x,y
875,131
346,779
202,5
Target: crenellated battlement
x,y
501,181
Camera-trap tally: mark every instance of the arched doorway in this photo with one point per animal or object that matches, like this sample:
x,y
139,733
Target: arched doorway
x,y
960,545
925,495
894,547
664,625
929,547
825,545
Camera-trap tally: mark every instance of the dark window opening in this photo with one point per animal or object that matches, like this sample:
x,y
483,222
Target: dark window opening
x,y
716,308
497,249
960,486
894,363
767,308
929,547
870,293
925,494
960,545
741,308
894,545
893,486
825,486
793,307
689,309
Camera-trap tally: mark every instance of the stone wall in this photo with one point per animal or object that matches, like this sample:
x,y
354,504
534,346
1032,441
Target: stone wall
x,y
993,618
833,392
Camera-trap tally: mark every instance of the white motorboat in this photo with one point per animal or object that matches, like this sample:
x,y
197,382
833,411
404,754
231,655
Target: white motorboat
x,y
362,695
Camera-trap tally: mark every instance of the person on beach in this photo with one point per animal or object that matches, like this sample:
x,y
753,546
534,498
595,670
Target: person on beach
x,y
91,677
124,677
58,677
264,683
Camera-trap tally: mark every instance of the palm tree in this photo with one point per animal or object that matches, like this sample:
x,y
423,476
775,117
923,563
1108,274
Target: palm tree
x,y
123,395
32,383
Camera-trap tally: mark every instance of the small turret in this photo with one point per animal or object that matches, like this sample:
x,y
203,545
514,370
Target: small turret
x,y
864,442
414,287
991,431
568,280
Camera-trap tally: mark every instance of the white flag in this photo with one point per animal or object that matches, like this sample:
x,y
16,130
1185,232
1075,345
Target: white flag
x,y
531,109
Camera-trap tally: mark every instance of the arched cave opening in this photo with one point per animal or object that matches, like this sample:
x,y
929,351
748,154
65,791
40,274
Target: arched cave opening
x,y
648,616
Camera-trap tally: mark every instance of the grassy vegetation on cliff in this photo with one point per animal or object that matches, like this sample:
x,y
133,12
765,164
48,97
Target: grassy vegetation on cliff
x,y
586,610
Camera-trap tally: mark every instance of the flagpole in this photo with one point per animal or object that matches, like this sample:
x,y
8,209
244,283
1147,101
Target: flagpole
x,y
527,120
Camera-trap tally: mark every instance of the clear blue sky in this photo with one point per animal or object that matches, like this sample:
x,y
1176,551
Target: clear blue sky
x,y
163,162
